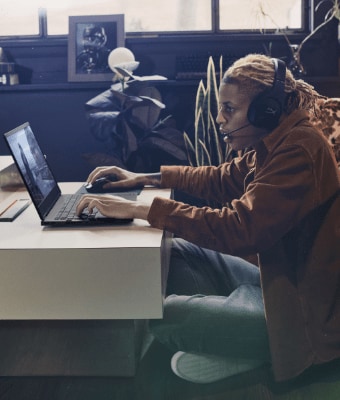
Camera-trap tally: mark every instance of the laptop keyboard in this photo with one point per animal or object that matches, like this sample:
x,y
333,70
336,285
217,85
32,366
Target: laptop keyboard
x,y
68,210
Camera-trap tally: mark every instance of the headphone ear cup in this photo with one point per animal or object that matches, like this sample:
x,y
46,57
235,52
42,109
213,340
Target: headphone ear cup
x,y
266,108
264,111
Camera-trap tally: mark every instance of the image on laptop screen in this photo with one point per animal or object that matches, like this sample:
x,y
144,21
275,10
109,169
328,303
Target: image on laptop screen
x,y
32,164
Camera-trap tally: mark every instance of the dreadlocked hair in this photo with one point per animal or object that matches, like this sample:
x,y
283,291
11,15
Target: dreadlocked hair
x,y
254,74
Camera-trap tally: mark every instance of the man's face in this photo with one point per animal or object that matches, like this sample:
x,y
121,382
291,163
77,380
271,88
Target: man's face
x,y
232,114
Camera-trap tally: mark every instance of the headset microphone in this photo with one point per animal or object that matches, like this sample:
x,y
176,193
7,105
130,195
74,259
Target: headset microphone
x,y
227,135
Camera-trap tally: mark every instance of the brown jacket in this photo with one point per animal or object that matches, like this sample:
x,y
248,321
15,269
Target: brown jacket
x,y
284,205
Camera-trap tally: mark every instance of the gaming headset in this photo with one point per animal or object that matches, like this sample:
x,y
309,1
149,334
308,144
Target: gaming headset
x,y
266,108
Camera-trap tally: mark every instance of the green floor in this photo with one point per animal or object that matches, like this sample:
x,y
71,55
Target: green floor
x,y
155,381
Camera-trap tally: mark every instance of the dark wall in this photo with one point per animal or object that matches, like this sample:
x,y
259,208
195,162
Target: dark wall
x,y
58,119
55,108
57,116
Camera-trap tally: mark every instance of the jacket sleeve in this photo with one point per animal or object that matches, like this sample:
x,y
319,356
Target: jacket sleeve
x,y
219,184
280,194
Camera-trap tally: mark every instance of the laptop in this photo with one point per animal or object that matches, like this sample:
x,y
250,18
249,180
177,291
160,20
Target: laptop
x,y
54,208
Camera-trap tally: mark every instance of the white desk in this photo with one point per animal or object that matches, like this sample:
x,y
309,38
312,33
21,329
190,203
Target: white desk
x,y
80,273
5,161
105,278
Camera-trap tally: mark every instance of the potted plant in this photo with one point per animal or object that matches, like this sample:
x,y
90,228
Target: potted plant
x,y
127,119
207,147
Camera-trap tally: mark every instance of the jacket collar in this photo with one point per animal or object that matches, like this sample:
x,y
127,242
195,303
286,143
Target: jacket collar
x,y
280,133
283,129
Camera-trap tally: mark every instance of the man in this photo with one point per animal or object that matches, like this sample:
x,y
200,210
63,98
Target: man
x,y
224,315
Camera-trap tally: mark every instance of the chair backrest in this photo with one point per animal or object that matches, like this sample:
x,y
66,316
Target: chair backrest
x,y
328,122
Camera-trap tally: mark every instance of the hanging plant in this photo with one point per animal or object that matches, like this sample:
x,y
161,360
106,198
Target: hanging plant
x,y
296,65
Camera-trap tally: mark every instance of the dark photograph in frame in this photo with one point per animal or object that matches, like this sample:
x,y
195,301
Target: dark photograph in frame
x,y
91,39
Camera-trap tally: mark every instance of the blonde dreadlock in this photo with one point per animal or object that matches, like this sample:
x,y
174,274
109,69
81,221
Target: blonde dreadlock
x,y
254,74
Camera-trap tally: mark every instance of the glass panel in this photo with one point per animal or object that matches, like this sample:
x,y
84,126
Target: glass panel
x,y
260,14
19,17
140,15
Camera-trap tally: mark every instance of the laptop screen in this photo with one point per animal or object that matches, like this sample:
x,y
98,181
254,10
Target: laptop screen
x,y
33,168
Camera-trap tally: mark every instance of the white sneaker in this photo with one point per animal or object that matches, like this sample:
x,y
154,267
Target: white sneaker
x,y
205,368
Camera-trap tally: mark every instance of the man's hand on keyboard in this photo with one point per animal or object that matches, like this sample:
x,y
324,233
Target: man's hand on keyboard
x,y
113,206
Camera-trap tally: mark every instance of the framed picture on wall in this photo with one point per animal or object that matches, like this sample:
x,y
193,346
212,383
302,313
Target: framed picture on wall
x,y
91,39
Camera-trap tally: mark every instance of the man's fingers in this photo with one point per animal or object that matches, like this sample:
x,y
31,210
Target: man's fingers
x,y
85,202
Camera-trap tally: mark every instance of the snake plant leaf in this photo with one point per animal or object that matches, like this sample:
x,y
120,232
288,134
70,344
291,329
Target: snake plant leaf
x,y
215,149
221,70
188,142
206,159
212,86
199,136
200,126
207,146
200,96
209,92
190,149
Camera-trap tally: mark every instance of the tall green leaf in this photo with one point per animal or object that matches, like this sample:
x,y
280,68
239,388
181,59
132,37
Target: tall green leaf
x,y
207,147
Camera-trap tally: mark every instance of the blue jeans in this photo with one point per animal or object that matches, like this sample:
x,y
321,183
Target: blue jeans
x,y
214,305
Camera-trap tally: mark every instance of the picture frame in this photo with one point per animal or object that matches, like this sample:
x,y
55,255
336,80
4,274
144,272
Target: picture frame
x,y
90,41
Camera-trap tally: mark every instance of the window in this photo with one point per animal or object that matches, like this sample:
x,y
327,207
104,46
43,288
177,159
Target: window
x,y
21,17
140,15
260,14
